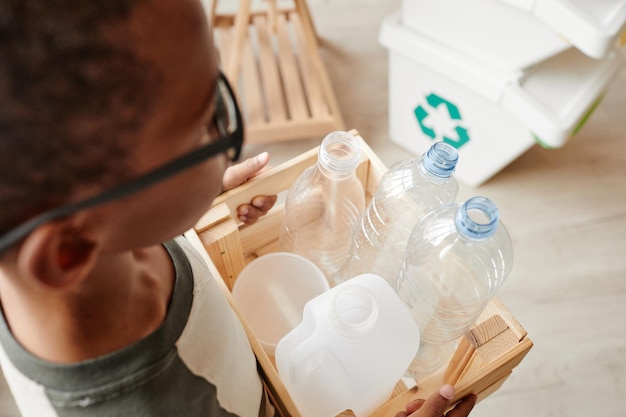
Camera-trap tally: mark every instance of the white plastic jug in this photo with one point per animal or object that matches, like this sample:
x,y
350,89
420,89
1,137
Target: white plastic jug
x,y
354,343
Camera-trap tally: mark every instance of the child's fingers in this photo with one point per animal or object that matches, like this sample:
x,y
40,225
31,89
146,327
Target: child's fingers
x,y
437,404
463,408
259,206
264,202
414,405
238,174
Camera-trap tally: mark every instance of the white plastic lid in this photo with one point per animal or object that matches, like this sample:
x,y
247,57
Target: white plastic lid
x,y
488,31
552,97
592,26
555,97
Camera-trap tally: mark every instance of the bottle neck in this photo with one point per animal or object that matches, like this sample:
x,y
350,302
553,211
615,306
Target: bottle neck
x,y
440,160
477,218
354,312
339,154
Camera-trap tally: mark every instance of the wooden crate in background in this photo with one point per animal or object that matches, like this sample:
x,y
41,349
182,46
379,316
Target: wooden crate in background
x,y
483,360
271,57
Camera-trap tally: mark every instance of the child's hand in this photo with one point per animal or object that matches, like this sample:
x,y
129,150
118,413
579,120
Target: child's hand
x,y
436,405
238,174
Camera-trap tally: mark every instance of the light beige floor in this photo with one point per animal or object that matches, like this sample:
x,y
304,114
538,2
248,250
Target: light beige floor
x,y
565,210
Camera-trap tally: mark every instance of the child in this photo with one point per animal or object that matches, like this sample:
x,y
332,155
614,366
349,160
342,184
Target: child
x,y
116,133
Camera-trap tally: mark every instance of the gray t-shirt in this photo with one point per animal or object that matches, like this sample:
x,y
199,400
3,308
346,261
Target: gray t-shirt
x,y
197,363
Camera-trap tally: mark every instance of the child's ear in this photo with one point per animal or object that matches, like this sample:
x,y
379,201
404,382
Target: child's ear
x,y
54,256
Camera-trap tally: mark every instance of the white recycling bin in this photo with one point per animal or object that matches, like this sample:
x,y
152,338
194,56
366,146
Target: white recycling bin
x,y
491,100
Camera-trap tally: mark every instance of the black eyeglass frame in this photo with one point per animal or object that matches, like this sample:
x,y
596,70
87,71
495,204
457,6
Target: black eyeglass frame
x,y
227,141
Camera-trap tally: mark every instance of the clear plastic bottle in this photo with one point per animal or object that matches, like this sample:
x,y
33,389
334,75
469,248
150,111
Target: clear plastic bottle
x,y
324,205
410,189
457,257
353,345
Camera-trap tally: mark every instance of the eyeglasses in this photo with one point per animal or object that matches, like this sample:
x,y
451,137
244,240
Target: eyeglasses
x,y
227,121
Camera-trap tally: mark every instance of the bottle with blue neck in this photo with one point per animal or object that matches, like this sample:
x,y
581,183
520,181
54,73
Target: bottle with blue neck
x,y
406,192
456,260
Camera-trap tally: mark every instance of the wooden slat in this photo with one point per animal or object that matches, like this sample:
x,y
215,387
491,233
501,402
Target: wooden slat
x,y
240,32
275,131
318,66
217,214
486,330
463,354
496,307
228,19
273,246
254,239
296,100
222,243
493,387
398,390
255,109
270,78
479,335
272,15
312,84
212,9
376,170
226,51
303,10
224,43
489,352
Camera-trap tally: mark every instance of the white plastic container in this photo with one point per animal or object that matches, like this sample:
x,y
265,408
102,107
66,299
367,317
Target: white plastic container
x,y
531,27
354,344
271,292
480,101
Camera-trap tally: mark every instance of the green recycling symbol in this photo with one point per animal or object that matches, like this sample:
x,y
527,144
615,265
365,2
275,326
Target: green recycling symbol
x,y
422,114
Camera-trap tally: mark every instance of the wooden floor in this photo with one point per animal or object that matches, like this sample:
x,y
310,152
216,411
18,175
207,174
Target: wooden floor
x,y
565,210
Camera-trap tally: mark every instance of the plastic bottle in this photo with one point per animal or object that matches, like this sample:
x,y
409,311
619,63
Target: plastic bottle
x,y
324,205
409,190
457,257
353,345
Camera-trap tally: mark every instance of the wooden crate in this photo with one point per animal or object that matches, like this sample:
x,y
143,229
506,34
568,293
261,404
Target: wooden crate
x,y
499,341
272,59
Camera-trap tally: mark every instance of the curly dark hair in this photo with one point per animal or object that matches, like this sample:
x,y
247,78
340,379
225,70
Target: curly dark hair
x,y
71,96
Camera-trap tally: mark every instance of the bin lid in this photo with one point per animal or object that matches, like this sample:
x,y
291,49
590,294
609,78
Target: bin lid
x,y
489,31
593,26
551,98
